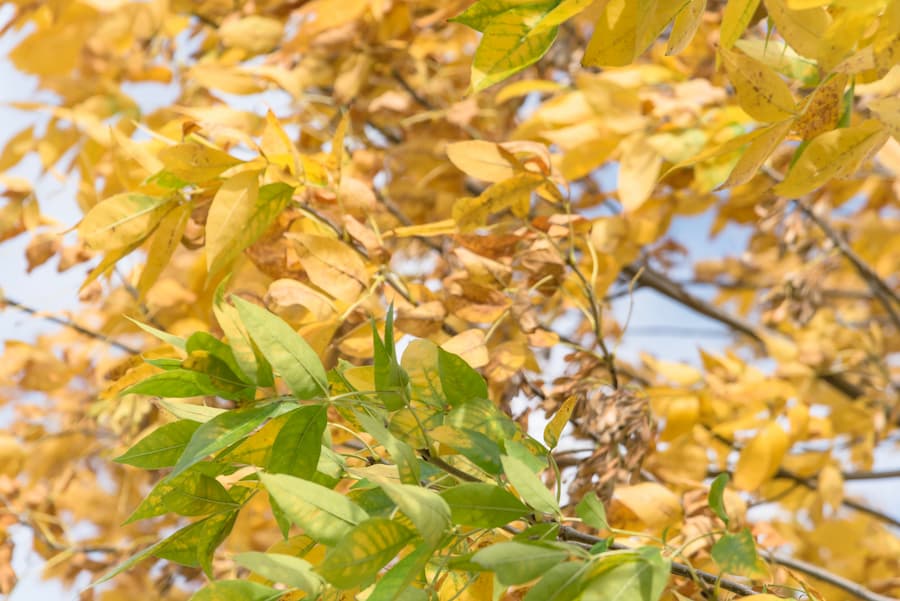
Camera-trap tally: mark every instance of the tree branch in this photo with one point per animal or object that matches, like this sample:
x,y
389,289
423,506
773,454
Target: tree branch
x,y
662,284
5,300
567,533
855,589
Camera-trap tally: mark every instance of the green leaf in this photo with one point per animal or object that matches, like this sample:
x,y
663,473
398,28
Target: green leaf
x,y
528,485
324,514
277,567
716,497
396,582
297,447
640,577
736,554
563,582
190,411
168,488
195,544
246,355
236,590
402,454
203,341
517,563
174,384
390,379
482,416
459,381
224,430
483,505
288,353
591,511
474,446
160,448
426,509
201,495
358,557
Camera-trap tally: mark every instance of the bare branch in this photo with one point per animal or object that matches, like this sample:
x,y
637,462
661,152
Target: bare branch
x,y
662,284
69,324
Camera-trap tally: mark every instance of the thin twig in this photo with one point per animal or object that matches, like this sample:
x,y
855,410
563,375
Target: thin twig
x,y
885,295
69,324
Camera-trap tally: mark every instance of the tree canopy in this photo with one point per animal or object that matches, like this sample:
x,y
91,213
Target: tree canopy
x,y
358,275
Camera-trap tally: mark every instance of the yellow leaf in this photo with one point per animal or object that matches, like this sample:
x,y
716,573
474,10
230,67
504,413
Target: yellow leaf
x,y
231,208
511,41
615,34
654,505
254,34
137,151
831,485
638,170
332,266
482,160
438,228
823,109
756,153
513,193
761,458
888,112
121,220
681,414
165,241
836,153
556,424
760,92
587,156
735,18
526,86
276,146
194,162
685,26
804,30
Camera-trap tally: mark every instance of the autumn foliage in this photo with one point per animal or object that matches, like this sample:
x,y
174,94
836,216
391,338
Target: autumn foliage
x,y
357,274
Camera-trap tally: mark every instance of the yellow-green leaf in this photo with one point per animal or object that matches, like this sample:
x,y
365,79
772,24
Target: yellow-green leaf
x,y
528,485
231,208
426,509
324,514
685,26
615,33
556,424
194,162
511,41
760,92
735,18
756,153
165,240
359,555
836,153
121,220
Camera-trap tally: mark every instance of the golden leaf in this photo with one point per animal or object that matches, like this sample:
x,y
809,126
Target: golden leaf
x,y
761,457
